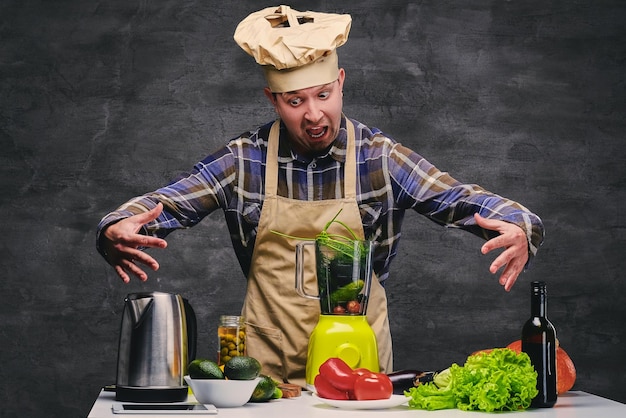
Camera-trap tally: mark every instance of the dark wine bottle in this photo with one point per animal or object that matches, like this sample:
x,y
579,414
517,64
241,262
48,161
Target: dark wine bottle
x,y
539,342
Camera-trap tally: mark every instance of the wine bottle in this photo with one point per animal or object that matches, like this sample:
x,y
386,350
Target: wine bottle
x,y
539,342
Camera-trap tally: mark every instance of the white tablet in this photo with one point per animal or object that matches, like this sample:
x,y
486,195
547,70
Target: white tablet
x,y
163,408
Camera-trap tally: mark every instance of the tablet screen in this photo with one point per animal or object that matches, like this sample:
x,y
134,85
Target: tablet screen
x,y
163,408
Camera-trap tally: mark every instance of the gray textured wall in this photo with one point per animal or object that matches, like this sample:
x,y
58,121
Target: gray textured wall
x,y
101,101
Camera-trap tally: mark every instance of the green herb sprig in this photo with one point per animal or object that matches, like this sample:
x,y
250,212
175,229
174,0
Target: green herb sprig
x,y
338,242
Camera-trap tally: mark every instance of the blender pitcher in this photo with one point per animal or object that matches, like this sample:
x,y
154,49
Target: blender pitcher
x,y
344,275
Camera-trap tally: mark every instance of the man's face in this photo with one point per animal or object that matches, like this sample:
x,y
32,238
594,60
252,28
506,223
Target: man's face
x,y
312,115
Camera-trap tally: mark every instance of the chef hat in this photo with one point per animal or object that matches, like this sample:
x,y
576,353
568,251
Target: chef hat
x,y
296,49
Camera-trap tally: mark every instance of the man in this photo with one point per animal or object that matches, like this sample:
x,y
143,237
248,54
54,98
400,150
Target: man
x,y
294,175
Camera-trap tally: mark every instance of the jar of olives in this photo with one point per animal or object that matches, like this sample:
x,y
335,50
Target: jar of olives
x,y
231,334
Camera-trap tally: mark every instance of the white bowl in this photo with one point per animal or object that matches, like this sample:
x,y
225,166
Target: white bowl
x,y
222,393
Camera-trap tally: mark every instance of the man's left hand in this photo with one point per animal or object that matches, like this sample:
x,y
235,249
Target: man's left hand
x,y
515,255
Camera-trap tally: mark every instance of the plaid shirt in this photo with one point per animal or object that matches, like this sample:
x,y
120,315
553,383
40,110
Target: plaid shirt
x,y
391,179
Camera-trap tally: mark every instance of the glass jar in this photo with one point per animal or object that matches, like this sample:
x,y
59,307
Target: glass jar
x,y
231,334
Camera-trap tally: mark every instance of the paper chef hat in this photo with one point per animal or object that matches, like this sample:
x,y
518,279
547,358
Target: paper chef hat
x,y
296,49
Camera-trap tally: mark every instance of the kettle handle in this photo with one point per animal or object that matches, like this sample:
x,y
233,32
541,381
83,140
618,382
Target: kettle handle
x,y
192,330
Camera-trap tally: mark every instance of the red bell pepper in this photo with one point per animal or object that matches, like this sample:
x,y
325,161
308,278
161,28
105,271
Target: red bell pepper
x,y
326,390
339,373
337,380
373,386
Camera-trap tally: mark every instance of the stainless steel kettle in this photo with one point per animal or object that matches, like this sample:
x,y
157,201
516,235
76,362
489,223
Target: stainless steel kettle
x,y
157,341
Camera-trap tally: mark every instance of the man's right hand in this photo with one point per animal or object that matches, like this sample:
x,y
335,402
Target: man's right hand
x,y
121,243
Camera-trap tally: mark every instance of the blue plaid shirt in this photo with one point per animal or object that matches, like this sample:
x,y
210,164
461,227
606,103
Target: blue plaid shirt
x,y
391,179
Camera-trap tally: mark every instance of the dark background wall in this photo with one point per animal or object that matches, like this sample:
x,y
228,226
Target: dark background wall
x,y
102,101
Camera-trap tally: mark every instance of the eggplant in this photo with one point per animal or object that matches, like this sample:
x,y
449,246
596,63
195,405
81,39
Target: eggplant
x,y
404,380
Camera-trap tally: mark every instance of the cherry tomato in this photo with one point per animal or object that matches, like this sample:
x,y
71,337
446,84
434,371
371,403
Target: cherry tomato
x,y
353,306
339,309
325,390
373,386
338,373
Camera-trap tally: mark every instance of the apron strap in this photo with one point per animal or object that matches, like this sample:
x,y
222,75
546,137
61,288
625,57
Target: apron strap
x,y
271,160
349,174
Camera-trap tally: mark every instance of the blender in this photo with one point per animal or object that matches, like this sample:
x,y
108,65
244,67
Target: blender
x,y
344,274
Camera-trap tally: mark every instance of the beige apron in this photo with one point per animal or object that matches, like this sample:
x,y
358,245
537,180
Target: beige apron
x,y
279,321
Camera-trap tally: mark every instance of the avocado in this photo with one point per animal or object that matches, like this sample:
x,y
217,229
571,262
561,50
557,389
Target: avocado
x,y
264,390
242,368
204,369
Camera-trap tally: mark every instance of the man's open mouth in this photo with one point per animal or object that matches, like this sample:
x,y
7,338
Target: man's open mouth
x,y
317,132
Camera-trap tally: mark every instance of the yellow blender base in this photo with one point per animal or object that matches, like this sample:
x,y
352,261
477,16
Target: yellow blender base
x,y
348,337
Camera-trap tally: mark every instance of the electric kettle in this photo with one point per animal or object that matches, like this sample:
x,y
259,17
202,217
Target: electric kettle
x,y
157,341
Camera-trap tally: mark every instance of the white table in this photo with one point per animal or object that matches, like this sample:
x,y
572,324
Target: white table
x,y
570,405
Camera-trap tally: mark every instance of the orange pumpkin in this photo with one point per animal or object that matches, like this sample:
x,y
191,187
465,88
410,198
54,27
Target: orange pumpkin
x,y
565,370
516,346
